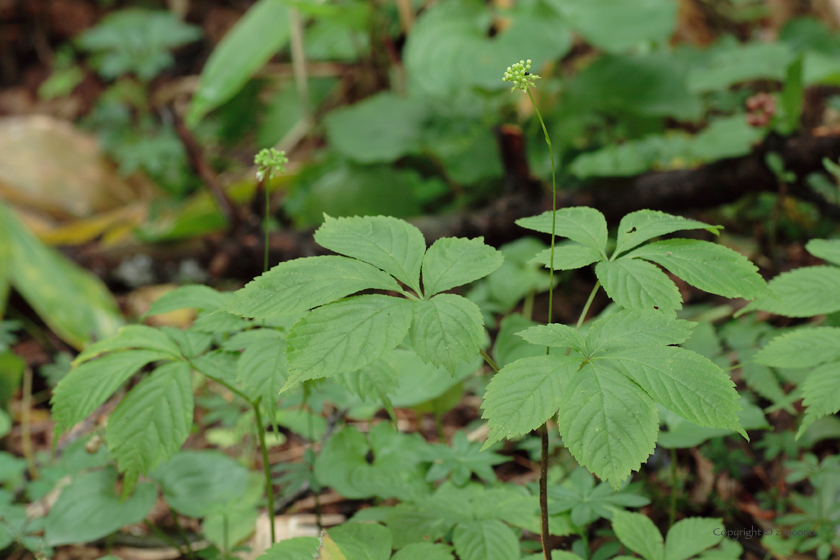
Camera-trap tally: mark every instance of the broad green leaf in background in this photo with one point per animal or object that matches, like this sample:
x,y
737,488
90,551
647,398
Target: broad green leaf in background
x,y
713,268
362,541
802,292
152,422
636,284
392,245
682,434
461,460
825,249
453,261
132,336
643,225
195,483
821,394
734,63
424,551
446,330
252,41
790,101
261,370
89,509
526,393
618,25
587,502
89,385
689,537
489,539
608,422
421,382
582,224
381,128
568,256
345,336
805,347
519,275
509,346
376,381
301,284
73,303
637,532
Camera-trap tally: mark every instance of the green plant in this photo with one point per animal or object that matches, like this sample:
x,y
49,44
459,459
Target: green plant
x,y
690,538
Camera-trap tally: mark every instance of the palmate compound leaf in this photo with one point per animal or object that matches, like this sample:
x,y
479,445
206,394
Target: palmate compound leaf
x,y
638,533
607,422
152,421
689,537
446,330
454,261
303,284
682,381
821,392
802,292
261,371
526,393
713,268
568,256
585,225
637,227
389,244
345,336
636,284
802,348
90,384
489,539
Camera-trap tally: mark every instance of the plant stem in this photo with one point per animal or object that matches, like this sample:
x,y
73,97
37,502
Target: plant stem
x,y
269,488
490,361
544,536
183,534
163,536
25,424
266,184
587,305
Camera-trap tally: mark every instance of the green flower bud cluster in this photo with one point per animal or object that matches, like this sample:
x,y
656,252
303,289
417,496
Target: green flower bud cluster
x,y
270,160
520,75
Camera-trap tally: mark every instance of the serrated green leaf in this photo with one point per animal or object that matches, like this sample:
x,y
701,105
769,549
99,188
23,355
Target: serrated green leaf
x,y
392,245
607,422
89,509
554,335
346,336
708,266
454,261
152,421
296,548
568,256
825,249
218,364
252,41
446,330
631,328
461,459
682,381
374,382
132,336
189,297
526,393
509,347
637,532
803,348
585,225
424,551
327,549
485,540
636,284
637,227
689,537
362,541
821,394
89,385
302,284
261,370
803,292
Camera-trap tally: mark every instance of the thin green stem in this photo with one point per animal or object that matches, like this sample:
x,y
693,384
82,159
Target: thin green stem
x,y
587,305
490,361
183,534
266,184
544,535
269,488
163,536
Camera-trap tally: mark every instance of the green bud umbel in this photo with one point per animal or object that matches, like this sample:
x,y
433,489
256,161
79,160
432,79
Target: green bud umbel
x,y
520,75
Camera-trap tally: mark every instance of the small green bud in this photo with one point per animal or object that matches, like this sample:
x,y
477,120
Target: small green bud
x,y
269,161
520,75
